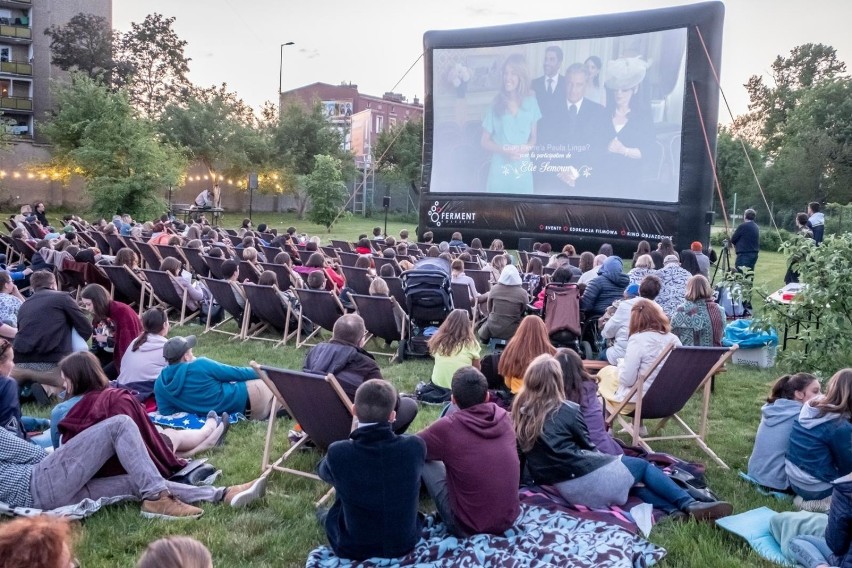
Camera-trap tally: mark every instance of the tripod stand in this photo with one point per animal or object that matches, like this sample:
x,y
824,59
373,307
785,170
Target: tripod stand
x,y
723,262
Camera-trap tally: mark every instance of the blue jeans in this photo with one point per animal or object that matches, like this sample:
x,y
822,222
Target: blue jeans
x,y
811,495
812,551
659,490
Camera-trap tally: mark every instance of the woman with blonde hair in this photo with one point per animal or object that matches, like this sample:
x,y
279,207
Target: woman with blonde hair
x,y
642,267
530,341
176,552
649,335
497,244
699,320
454,346
820,452
509,130
555,441
498,263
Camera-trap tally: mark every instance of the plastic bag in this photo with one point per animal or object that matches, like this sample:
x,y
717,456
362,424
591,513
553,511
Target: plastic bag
x,y
740,332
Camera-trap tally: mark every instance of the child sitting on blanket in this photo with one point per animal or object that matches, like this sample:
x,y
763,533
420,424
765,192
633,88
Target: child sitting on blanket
x,y
468,447
789,393
377,478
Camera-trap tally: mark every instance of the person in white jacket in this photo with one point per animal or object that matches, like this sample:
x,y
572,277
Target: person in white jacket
x,y
143,361
617,327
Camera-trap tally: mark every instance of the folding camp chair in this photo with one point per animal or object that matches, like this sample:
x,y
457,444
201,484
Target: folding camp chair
x,y
282,273
481,279
247,271
264,304
380,319
317,403
341,245
223,294
330,252
11,226
271,252
321,307
682,372
88,240
193,257
164,292
24,249
357,279
9,251
127,284
214,263
150,255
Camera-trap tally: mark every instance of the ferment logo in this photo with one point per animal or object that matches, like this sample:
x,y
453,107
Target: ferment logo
x,y
440,214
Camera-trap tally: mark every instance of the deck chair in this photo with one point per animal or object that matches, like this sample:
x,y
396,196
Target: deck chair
x,y
304,255
223,295
380,261
347,258
490,254
150,255
344,246
116,243
481,279
264,304
86,238
322,308
214,263
330,252
683,371
193,257
317,403
282,273
357,279
125,283
100,241
11,226
163,291
172,251
380,320
24,249
9,249
270,252
462,301
247,272
396,290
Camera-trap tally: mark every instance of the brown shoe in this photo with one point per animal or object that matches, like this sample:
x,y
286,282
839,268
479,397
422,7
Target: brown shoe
x,y
702,511
242,495
167,506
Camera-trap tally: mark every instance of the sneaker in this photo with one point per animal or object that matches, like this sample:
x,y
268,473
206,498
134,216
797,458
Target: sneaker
x,y
814,506
643,432
241,495
703,511
168,507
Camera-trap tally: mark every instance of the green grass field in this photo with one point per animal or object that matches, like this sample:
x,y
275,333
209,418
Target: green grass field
x,y
281,530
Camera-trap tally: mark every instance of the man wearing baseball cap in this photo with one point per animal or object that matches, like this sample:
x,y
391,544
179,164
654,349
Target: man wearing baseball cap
x,y
199,385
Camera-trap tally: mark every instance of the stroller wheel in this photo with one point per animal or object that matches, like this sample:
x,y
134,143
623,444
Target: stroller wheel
x,y
586,350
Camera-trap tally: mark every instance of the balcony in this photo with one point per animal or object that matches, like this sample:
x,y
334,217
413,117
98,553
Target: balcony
x,y
18,34
16,104
16,68
16,4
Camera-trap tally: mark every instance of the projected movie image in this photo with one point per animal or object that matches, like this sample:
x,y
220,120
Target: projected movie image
x,y
595,118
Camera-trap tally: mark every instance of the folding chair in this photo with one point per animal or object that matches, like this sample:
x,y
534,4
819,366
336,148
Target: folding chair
x,y
84,236
164,292
380,261
490,254
11,226
321,307
282,273
116,243
127,284
396,290
461,299
24,249
271,252
247,271
317,403
193,257
264,303
347,258
214,263
9,247
380,320
357,279
172,251
304,255
682,372
330,252
101,241
344,246
481,279
150,255
223,294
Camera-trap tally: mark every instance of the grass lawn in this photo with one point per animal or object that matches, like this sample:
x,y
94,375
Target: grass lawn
x,y
281,530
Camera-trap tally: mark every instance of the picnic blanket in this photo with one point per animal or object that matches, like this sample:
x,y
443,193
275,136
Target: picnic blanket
x,y
187,421
77,511
539,538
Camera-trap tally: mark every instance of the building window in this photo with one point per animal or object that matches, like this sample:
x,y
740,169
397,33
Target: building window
x,y
380,123
391,122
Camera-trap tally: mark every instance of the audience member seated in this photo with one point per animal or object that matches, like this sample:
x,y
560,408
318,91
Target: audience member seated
x,y
46,321
532,278
789,393
820,451
699,320
456,241
557,450
582,388
128,257
363,247
379,287
195,294
284,259
608,287
472,470
175,552
459,277
664,249
10,300
231,274
44,541
115,325
674,279
689,263
643,248
530,341
199,385
590,266
506,304
452,347
642,267
617,328
498,263
833,549
29,477
702,259
316,280
142,363
10,406
648,335
376,475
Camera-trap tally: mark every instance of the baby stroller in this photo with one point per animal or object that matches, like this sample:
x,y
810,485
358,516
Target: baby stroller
x,y
428,301
561,314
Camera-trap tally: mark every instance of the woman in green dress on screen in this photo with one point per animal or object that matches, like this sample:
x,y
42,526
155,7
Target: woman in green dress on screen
x,y
509,130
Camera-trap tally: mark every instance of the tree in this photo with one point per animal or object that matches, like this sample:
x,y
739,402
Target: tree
x,y
733,170
326,190
154,54
84,44
97,134
398,152
807,66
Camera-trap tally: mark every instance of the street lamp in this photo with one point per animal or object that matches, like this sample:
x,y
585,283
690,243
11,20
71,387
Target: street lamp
x,y
281,65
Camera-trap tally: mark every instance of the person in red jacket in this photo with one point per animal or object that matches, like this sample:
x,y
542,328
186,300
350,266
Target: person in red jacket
x,y
464,451
116,325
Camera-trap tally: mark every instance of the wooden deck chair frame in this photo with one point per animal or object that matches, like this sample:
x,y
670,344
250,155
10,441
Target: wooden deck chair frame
x,y
368,315
149,254
303,294
616,410
110,272
153,277
264,323
267,467
213,285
